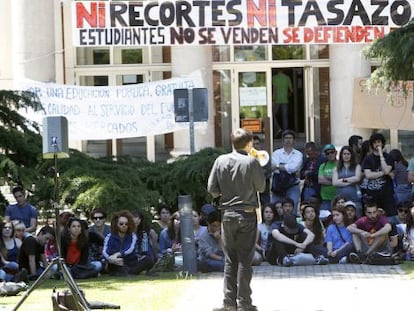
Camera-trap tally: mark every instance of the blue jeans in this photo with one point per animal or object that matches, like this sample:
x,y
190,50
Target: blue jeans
x,y
239,230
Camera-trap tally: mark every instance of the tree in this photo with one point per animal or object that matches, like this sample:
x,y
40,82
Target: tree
x,y
396,54
20,139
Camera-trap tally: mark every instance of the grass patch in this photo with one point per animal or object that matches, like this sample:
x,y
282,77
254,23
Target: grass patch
x,y
408,267
131,293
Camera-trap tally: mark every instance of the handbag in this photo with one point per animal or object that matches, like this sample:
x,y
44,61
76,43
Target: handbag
x,y
382,258
282,181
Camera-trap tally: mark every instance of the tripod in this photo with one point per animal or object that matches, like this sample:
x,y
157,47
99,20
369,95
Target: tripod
x,y
59,261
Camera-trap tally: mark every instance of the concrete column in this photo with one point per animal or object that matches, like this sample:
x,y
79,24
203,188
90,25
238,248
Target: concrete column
x,y
33,43
346,63
186,59
6,71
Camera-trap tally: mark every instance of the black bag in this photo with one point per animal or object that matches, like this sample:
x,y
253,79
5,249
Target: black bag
x,y
382,259
83,271
282,181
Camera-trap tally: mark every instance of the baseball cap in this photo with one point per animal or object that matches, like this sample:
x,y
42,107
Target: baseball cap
x,y
350,203
328,147
207,209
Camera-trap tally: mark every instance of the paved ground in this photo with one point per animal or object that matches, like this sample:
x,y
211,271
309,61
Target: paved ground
x,y
313,288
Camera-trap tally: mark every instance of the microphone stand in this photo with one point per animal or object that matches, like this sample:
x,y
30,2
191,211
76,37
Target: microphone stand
x,y
78,296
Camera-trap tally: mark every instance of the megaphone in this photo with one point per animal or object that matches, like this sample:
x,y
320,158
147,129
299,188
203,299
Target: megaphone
x,y
260,155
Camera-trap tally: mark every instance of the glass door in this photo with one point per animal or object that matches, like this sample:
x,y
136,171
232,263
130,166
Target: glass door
x,y
252,107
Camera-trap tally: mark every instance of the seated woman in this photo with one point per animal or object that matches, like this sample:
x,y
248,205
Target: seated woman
x,y
170,240
146,242
75,249
312,222
338,239
120,246
210,251
264,231
9,251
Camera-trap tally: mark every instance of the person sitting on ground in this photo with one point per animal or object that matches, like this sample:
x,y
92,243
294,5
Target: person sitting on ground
x,y
9,250
350,209
75,249
98,217
278,207
170,240
165,216
204,211
264,230
369,233
32,256
290,239
19,231
338,239
95,243
287,206
147,245
409,236
312,222
120,245
197,228
210,249
22,211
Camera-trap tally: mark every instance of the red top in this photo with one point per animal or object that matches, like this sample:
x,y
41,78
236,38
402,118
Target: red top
x,y
73,254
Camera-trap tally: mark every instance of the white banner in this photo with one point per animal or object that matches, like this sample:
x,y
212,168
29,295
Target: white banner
x,y
235,22
113,112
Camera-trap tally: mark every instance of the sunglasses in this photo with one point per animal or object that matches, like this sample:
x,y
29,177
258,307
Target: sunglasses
x,y
330,152
7,228
122,224
97,218
403,211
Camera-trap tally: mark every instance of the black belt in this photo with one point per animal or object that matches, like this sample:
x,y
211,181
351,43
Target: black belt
x,y
246,210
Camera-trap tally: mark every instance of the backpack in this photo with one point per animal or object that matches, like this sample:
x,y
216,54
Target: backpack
x,y
382,258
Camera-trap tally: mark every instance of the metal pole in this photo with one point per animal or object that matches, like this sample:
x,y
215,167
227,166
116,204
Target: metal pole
x,y
187,234
191,116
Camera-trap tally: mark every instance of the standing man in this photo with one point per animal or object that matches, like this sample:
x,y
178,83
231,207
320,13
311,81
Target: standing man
x,y
325,171
235,179
22,211
288,160
282,89
377,168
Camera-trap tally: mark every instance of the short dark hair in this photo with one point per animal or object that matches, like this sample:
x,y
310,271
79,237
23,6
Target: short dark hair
x,y
47,230
98,210
240,138
289,132
17,189
213,217
376,136
353,140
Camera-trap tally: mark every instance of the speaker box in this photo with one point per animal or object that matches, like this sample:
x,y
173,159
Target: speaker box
x,y
55,137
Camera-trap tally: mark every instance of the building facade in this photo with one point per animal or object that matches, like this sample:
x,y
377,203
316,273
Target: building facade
x,y
40,40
